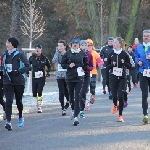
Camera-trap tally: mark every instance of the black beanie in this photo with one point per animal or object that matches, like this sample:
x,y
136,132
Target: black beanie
x,y
14,42
38,45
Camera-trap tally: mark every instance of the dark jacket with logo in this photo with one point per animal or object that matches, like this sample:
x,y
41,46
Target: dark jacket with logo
x,y
20,65
105,51
39,63
80,60
117,58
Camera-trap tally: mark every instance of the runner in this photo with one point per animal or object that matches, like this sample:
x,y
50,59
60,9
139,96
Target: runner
x,y
2,102
76,63
128,73
84,47
61,74
15,64
142,58
118,61
136,43
105,51
97,62
133,71
38,62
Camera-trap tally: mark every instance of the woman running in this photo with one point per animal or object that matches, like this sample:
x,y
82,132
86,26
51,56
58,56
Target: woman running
x,y
84,47
61,74
76,63
97,62
118,62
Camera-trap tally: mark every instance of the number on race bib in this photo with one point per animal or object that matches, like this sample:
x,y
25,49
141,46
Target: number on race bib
x,y
80,71
146,72
117,71
38,74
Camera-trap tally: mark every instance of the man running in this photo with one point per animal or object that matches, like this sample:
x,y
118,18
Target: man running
x,y
105,51
38,62
142,58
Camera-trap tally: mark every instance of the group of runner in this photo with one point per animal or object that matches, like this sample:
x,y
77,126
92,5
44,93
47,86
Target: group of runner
x,y
76,75
117,67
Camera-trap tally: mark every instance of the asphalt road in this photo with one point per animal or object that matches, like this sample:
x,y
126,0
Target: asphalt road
x,y
98,131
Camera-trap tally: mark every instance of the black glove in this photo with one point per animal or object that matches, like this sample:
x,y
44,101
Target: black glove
x,y
15,72
48,74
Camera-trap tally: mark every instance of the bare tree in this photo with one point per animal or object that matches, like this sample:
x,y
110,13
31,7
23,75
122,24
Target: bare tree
x,y
32,21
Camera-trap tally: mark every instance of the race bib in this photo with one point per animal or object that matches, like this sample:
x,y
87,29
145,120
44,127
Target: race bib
x,y
146,72
9,67
80,71
117,71
60,68
38,74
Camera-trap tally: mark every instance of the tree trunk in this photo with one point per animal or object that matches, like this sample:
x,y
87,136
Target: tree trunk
x,y
133,14
94,18
15,30
114,13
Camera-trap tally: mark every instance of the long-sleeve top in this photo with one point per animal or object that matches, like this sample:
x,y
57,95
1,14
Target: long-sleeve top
x,y
113,57
80,60
140,55
96,61
105,51
15,61
90,62
57,59
38,64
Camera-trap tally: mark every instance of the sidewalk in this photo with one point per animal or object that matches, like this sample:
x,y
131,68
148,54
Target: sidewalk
x,y
98,131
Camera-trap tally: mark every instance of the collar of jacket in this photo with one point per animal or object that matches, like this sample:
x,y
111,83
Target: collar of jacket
x,y
11,51
75,50
117,51
146,44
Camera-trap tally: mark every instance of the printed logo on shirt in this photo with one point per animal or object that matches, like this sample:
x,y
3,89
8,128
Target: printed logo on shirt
x,y
9,67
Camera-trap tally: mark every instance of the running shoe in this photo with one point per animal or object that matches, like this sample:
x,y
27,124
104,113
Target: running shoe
x,y
67,105
63,112
39,110
114,109
20,122
75,121
72,114
82,114
8,126
4,115
92,99
125,104
145,119
120,119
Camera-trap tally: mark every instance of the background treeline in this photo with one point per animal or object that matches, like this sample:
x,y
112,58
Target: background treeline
x,y
65,19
